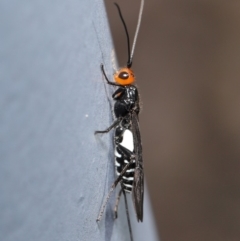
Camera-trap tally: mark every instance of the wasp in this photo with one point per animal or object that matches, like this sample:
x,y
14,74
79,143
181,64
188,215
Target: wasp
x,y
127,138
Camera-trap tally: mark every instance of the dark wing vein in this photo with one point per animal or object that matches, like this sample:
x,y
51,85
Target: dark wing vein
x,y
138,183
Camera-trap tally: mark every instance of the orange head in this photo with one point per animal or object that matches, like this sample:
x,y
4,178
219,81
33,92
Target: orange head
x,y
124,76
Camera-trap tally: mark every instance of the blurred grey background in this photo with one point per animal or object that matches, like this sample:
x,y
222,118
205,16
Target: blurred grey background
x,y
187,66
54,172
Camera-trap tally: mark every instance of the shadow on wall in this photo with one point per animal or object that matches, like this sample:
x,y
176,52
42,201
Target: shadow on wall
x,y
187,67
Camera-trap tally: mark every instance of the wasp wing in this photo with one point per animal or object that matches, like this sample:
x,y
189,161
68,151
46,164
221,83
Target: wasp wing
x,y
138,183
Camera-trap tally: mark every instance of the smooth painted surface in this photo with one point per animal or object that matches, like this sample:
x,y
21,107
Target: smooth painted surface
x,y
54,173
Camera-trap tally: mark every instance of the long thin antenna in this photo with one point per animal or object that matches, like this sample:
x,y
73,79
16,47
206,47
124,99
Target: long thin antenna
x,y
130,56
136,32
126,31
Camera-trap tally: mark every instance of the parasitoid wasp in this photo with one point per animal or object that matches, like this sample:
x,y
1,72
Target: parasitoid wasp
x,y
127,138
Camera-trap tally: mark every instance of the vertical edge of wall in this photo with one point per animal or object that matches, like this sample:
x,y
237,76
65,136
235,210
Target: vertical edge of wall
x,y
54,173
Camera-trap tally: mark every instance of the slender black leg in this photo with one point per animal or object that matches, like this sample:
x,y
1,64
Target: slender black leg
x,y
126,153
117,203
110,127
108,81
127,212
119,178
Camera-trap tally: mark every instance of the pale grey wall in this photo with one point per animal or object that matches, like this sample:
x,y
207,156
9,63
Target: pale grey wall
x,y
54,173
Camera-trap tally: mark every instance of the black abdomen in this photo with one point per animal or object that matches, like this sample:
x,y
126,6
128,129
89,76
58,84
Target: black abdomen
x,y
123,155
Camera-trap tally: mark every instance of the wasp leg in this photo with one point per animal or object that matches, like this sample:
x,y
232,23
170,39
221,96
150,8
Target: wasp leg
x,y
127,212
110,127
117,203
126,153
108,81
111,190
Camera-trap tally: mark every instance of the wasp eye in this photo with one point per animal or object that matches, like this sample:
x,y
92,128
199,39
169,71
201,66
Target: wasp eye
x,y
123,75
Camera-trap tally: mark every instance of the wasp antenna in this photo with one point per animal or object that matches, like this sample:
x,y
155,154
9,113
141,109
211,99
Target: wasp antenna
x,y
126,31
136,33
